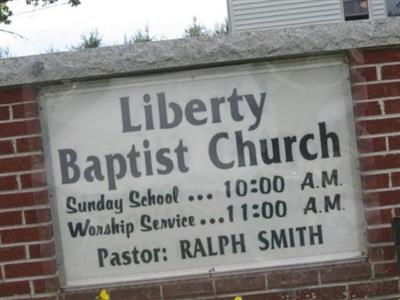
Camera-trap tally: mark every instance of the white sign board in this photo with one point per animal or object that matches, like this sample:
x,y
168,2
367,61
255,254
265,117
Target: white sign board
x,y
204,171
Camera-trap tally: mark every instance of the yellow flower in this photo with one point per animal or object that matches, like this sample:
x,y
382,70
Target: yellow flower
x,y
238,298
103,295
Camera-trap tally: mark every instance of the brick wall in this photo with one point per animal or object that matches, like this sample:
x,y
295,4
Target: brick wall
x,y
27,256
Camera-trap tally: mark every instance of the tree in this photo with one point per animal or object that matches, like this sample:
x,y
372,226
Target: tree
x,y
141,36
92,40
6,12
196,29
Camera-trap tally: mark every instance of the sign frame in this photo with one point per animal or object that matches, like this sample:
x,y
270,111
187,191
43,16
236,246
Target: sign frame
x,y
177,76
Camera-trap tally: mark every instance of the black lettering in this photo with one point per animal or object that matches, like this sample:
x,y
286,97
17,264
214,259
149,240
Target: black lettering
x,y
126,117
213,153
304,149
101,255
256,109
175,108
164,161
241,146
195,106
112,175
234,104
133,155
93,171
180,155
276,157
184,246
333,137
68,159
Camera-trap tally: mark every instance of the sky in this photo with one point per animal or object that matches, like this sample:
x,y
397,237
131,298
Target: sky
x,y
57,27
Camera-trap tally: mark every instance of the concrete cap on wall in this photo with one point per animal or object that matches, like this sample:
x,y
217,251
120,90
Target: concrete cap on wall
x,y
183,54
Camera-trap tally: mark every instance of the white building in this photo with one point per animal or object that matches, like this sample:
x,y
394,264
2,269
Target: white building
x,y
258,14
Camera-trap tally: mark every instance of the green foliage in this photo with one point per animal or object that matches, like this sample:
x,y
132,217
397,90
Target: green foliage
x,y
141,36
91,40
196,29
44,2
221,28
6,13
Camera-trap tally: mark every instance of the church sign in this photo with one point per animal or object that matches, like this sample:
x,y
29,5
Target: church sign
x,y
212,170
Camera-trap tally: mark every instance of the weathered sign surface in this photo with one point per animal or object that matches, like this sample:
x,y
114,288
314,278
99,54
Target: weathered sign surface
x,y
204,171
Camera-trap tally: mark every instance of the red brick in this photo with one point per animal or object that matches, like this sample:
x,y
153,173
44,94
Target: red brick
x,y
356,57
381,253
18,128
375,91
385,270
380,162
378,216
15,95
12,253
4,113
240,284
25,110
36,179
363,109
6,147
380,235
359,92
345,272
42,250
14,288
375,181
287,295
10,218
287,279
363,74
368,57
369,145
392,106
23,199
37,216
32,234
138,293
8,183
30,269
391,72
382,198
373,289
188,289
30,144
396,179
22,163
87,295
328,293
394,142
397,212
388,125
49,285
